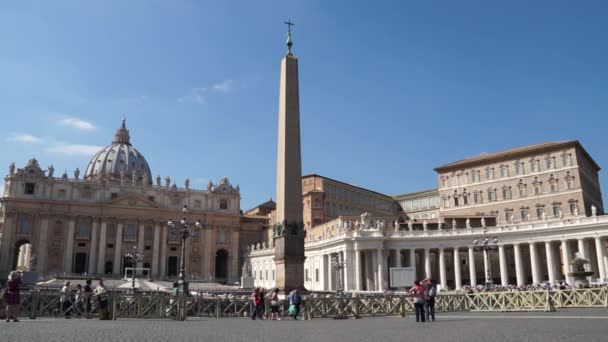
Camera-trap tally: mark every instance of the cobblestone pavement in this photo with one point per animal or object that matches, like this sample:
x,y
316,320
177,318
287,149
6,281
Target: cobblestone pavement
x,y
587,325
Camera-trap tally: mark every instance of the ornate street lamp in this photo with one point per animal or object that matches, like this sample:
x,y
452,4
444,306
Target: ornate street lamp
x,y
135,258
184,232
485,244
338,265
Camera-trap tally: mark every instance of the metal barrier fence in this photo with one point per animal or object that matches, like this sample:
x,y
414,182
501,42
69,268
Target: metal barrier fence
x,y
43,303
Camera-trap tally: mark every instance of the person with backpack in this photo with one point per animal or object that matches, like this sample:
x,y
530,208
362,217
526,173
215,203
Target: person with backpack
x,y
419,299
430,289
294,300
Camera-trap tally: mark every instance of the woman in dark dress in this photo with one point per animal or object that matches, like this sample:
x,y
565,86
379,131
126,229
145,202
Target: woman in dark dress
x,y
12,299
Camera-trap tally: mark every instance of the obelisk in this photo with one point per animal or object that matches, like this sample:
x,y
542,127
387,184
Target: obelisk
x,y
289,226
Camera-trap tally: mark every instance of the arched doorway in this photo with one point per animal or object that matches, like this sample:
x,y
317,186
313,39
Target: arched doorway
x,y
221,266
24,257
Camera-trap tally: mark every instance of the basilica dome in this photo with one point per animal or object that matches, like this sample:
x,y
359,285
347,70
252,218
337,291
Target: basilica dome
x,y
119,161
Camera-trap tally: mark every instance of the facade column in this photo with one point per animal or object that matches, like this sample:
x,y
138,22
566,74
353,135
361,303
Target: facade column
x,y
42,252
118,251
162,263
7,244
550,262
155,248
583,248
427,262
442,272
600,250
94,246
534,264
519,267
504,273
69,250
101,260
358,269
472,271
381,269
140,243
457,275
566,258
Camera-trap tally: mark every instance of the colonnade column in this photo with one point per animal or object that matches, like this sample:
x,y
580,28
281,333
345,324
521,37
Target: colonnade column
x,y
413,260
442,273
69,250
397,258
369,275
534,264
155,248
381,266
345,260
472,271
504,275
101,260
519,267
357,269
583,248
330,273
427,262
117,250
457,276
550,262
94,246
566,256
600,250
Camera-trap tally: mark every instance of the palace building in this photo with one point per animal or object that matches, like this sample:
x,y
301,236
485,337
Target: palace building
x,y
542,203
85,225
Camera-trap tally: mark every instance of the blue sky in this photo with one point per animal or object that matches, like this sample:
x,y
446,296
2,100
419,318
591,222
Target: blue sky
x,y
389,89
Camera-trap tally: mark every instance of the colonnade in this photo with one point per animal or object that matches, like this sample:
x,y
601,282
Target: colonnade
x,y
510,263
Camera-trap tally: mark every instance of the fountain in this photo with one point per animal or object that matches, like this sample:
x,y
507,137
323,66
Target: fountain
x,y
579,274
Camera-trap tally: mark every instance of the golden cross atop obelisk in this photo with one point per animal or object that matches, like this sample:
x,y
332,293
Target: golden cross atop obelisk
x,y
289,40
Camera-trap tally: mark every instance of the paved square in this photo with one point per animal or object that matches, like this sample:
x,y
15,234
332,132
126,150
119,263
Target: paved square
x,y
589,325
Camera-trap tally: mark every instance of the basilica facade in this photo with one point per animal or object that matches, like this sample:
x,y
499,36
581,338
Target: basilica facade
x,y
85,224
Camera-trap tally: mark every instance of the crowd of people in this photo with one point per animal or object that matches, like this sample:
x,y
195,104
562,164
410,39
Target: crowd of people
x,y
80,300
258,304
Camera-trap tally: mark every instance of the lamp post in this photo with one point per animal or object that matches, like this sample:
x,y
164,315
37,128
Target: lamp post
x,y
338,265
184,232
135,258
485,244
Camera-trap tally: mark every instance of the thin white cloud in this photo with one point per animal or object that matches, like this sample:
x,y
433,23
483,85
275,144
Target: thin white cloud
x,y
25,138
77,123
196,95
73,149
224,87
200,95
